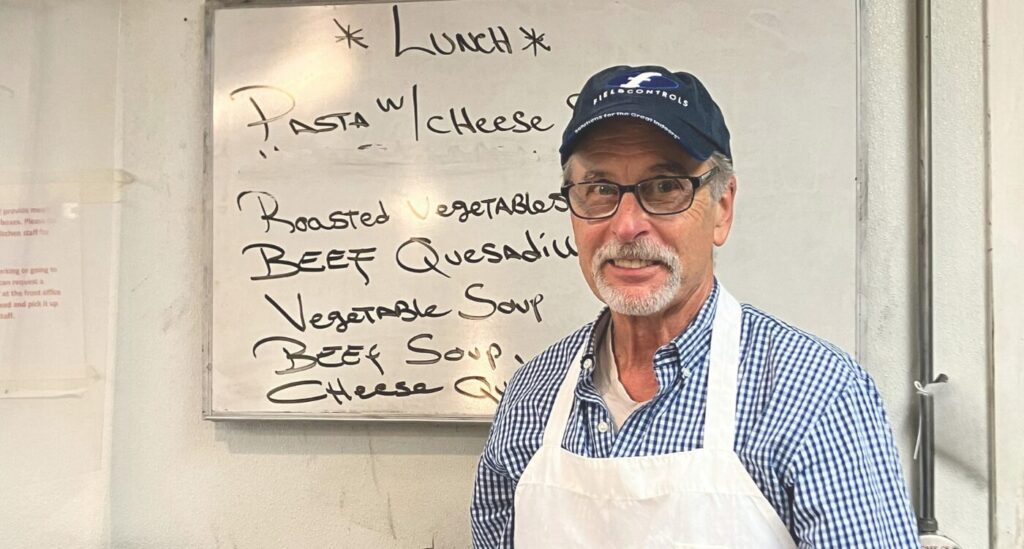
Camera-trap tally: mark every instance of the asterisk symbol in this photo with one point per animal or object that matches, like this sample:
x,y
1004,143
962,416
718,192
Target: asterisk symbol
x,y
534,40
350,36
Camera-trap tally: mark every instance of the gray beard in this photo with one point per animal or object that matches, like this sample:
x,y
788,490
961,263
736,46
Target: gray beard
x,y
637,302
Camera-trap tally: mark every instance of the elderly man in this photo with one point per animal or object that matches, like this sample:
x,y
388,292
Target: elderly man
x,y
679,418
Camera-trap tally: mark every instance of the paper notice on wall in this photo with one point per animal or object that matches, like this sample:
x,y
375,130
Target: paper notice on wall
x,y
41,327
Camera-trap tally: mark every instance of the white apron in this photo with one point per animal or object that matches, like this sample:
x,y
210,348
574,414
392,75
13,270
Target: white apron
x,y
700,498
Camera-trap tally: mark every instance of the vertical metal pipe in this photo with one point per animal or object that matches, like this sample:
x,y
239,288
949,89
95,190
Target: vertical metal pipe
x,y
926,514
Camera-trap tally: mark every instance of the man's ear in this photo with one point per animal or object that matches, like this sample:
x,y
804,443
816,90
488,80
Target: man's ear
x,y
724,211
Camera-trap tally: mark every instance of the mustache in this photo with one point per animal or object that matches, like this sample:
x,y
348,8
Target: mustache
x,y
642,249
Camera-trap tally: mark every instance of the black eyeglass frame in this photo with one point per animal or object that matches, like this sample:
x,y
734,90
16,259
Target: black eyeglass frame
x,y
695,181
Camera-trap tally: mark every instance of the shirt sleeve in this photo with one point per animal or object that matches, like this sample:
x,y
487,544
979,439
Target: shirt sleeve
x,y
848,488
491,509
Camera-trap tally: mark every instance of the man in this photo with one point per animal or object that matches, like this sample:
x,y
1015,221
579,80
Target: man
x,y
679,418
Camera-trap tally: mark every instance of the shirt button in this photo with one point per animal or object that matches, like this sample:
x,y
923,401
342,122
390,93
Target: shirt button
x,y
603,427
588,363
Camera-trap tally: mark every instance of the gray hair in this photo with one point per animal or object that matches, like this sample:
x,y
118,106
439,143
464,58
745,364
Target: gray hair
x,y
718,184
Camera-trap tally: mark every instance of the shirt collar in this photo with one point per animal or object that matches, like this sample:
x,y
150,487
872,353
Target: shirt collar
x,y
690,340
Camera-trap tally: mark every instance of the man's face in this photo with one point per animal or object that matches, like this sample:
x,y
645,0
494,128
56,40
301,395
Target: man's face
x,y
642,264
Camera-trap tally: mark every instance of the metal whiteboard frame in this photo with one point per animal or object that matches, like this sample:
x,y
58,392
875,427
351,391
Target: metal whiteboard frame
x,y
210,13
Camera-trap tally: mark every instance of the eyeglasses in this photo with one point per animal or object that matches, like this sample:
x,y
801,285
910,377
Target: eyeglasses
x,y
661,195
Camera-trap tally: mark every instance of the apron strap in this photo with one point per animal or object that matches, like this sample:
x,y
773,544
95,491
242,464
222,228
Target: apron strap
x,y
723,373
559,416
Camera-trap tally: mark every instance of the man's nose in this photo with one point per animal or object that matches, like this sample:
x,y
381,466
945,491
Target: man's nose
x,y
630,221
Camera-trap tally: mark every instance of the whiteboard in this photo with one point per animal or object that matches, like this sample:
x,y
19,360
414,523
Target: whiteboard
x,y
387,238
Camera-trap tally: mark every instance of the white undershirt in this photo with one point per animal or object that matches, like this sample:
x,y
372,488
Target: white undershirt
x,y
606,381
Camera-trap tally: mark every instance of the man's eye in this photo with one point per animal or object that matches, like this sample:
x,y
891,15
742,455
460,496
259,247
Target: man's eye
x,y
605,190
665,185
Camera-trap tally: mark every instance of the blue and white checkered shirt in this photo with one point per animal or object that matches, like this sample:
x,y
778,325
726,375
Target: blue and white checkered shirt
x,y
811,430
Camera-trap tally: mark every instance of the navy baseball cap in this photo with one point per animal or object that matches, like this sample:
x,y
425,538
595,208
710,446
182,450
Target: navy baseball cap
x,y
676,102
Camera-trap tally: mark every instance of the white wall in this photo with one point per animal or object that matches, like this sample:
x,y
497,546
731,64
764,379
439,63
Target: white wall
x,y
177,481
886,239
57,114
960,275
1005,21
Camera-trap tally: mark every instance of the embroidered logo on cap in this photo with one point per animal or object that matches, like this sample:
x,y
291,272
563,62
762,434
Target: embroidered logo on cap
x,y
646,80
642,83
